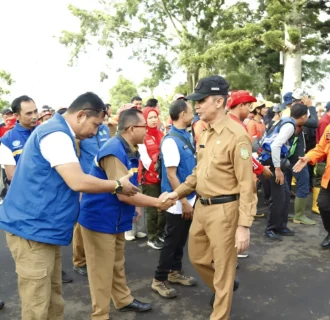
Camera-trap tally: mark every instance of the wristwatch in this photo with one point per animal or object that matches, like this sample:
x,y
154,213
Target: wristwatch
x,y
119,187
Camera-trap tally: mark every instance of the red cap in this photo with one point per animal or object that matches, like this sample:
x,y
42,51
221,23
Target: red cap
x,y
240,96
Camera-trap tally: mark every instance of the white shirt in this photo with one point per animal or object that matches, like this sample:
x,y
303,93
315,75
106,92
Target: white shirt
x,y
57,148
171,157
6,156
144,156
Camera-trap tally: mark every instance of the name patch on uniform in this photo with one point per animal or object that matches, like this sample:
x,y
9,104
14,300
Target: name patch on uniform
x,y
244,153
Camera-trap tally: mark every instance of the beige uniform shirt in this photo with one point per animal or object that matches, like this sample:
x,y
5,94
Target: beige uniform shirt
x,y
224,168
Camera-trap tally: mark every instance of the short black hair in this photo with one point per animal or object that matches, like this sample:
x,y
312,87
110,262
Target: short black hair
x,y
176,108
88,101
107,106
128,118
152,103
298,110
136,98
16,104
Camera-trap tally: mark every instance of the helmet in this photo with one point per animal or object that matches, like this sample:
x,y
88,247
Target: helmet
x,y
277,108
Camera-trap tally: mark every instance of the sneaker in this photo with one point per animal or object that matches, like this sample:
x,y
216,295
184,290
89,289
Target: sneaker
x,y
81,270
286,232
259,215
129,238
243,255
140,235
179,277
157,244
272,235
66,278
162,237
163,288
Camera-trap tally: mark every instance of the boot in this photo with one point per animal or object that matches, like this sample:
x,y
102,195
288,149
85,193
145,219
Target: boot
x,y
299,212
315,207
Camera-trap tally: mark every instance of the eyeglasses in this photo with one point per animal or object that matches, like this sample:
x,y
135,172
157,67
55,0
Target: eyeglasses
x,y
139,126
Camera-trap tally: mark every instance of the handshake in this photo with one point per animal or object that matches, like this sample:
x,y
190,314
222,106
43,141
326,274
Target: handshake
x,y
166,200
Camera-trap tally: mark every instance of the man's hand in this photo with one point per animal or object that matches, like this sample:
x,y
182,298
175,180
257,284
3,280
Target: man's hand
x,y
302,162
307,101
279,176
164,203
138,214
129,189
187,210
266,173
172,196
242,239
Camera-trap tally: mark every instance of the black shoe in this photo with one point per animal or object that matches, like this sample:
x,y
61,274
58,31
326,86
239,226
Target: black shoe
x,y
286,232
2,304
326,242
273,236
137,306
66,278
236,286
81,270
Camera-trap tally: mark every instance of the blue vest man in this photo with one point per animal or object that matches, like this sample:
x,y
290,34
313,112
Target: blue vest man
x,y
105,217
178,161
42,204
13,142
87,150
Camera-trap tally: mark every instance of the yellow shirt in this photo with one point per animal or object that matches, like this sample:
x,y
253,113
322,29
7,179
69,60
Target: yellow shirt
x,y
286,112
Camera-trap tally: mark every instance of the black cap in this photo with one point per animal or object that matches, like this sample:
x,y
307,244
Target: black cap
x,y
210,86
5,111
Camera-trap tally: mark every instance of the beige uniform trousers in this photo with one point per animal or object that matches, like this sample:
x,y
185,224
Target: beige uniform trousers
x,y
79,259
38,266
106,273
212,238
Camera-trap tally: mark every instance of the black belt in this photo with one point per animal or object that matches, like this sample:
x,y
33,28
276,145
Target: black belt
x,y
219,200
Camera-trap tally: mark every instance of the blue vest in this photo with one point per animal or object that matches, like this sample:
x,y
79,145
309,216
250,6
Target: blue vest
x,y
269,137
90,147
15,140
187,160
39,205
104,212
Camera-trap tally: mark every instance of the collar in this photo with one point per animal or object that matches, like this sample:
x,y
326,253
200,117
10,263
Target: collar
x,y
18,127
218,126
132,151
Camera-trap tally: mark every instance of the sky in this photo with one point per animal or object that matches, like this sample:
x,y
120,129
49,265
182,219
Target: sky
x,y
31,52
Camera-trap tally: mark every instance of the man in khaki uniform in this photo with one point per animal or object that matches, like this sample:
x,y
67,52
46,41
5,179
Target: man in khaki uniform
x,y
223,179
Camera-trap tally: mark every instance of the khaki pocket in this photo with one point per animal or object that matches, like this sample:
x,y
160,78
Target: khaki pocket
x,y
29,273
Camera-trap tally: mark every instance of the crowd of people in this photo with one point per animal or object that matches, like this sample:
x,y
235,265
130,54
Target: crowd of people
x,y
87,176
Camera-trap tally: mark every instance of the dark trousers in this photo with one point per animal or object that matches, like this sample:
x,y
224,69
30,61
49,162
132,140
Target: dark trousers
x,y
323,202
278,205
155,220
176,235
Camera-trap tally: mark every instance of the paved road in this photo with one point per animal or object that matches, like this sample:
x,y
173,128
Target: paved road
x,y
287,280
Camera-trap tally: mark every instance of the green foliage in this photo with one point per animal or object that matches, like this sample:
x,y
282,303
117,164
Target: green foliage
x,y
122,93
205,37
5,81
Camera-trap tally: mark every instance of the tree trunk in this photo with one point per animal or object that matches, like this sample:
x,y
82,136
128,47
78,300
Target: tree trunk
x,y
292,65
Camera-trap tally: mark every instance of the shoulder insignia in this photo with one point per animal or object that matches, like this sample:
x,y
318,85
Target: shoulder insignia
x,y
244,153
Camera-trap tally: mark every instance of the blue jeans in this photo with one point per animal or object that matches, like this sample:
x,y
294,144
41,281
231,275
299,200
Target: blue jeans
x,y
302,186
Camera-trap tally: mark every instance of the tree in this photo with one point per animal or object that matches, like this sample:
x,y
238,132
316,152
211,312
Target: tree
x,y
122,93
163,34
249,52
5,81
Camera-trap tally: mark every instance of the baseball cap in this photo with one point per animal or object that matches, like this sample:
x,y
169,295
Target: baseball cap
x,y
299,93
241,96
6,111
179,96
257,104
277,108
45,113
210,86
287,99
327,107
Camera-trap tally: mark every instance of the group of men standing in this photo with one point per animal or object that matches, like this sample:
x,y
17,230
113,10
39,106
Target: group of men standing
x,y
210,195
